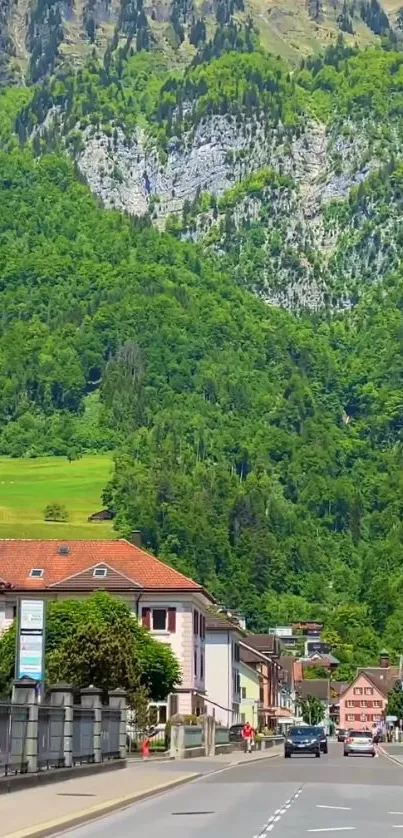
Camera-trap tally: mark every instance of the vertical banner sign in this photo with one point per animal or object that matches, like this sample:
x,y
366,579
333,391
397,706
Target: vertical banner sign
x,y
31,639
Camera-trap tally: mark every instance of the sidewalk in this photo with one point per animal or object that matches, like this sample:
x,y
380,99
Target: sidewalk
x,y
44,810
393,750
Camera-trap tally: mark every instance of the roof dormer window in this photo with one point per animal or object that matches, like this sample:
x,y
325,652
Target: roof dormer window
x,y
100,572
36,573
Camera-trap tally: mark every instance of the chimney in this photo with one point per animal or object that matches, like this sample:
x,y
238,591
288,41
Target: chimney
x,y
135,538
384,659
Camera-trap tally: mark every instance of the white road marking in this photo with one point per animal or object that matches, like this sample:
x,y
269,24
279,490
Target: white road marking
x,y
332,829
397,826
278,813
342,808
395,813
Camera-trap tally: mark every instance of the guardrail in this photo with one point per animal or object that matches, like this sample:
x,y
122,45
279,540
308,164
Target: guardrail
x,y
55,734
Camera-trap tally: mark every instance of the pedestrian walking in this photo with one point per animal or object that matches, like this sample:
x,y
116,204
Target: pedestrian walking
x,y
248,735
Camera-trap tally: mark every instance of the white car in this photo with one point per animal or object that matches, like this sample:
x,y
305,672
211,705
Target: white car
x,y
359,742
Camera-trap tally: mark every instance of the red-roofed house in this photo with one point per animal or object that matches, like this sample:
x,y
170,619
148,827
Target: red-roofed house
x,y
363,702
172,606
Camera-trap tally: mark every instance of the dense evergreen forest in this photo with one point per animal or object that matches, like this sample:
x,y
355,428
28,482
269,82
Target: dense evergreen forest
x,y
258,450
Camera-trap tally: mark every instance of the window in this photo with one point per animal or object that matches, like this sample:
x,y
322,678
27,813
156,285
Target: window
x,y
350,718
159,619
377,718
242,718
162,714
349,703
363,717
100,572
357,690
363,703
195,663
201,665
173,705
195,623
369,691
236,651
202,626
377,704
36,573
243,692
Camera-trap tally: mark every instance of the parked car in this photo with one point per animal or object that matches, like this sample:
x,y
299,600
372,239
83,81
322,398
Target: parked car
x,y
235,733
302,740
322,739
342,734
359,742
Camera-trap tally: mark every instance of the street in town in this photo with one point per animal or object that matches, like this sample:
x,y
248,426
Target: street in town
x,y
287,798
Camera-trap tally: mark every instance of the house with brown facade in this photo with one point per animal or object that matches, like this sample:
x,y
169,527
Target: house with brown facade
x,y
262,651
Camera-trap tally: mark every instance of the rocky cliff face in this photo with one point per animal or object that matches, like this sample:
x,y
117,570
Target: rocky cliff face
x,y
299,236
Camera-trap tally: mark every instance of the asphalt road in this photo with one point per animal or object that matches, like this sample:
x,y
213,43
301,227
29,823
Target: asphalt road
x,y
285,798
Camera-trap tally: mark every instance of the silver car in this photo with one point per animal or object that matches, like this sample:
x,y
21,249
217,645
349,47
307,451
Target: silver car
x,y
359,742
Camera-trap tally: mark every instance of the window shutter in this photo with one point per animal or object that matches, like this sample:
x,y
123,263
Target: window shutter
x,y
146,617
172,620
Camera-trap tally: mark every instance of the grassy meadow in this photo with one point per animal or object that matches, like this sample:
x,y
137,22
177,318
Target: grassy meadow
x,y
27,486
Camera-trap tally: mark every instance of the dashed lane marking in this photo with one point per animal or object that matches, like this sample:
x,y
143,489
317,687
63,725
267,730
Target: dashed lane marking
x,y
278,814
339,808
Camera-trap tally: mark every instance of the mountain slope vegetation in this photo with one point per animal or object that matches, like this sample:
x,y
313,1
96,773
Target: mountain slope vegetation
x,y
258,447
39,36
258,451
264,169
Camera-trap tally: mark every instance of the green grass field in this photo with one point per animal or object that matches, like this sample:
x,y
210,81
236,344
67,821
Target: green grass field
x,y
27,486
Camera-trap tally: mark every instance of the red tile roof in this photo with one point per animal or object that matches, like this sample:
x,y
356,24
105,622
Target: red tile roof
x,y
128,564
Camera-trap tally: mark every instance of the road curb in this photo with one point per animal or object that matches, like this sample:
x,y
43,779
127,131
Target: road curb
x,y
270,755
60,825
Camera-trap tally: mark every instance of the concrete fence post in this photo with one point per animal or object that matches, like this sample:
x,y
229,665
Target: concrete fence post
x,y
91,699
25,693
209,725
177,749
61,695
117,701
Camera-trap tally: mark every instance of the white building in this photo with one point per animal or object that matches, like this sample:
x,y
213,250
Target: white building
x,y
223,678
172,606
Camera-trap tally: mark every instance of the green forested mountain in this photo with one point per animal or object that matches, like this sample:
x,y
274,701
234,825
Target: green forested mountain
x,y
144,213
281,176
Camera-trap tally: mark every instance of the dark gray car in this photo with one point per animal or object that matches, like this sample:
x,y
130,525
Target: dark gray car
x,y
302,740
323,739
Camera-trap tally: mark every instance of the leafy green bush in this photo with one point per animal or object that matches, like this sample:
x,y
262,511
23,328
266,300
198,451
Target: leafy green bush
x,y
55,512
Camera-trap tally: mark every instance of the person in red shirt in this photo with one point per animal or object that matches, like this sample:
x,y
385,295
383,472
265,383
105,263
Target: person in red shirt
x,y
248,735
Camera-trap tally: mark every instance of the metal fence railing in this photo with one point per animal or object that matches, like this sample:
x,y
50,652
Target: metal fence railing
x,y
13,734
221,735
83,735
193,736
50,736
110,733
